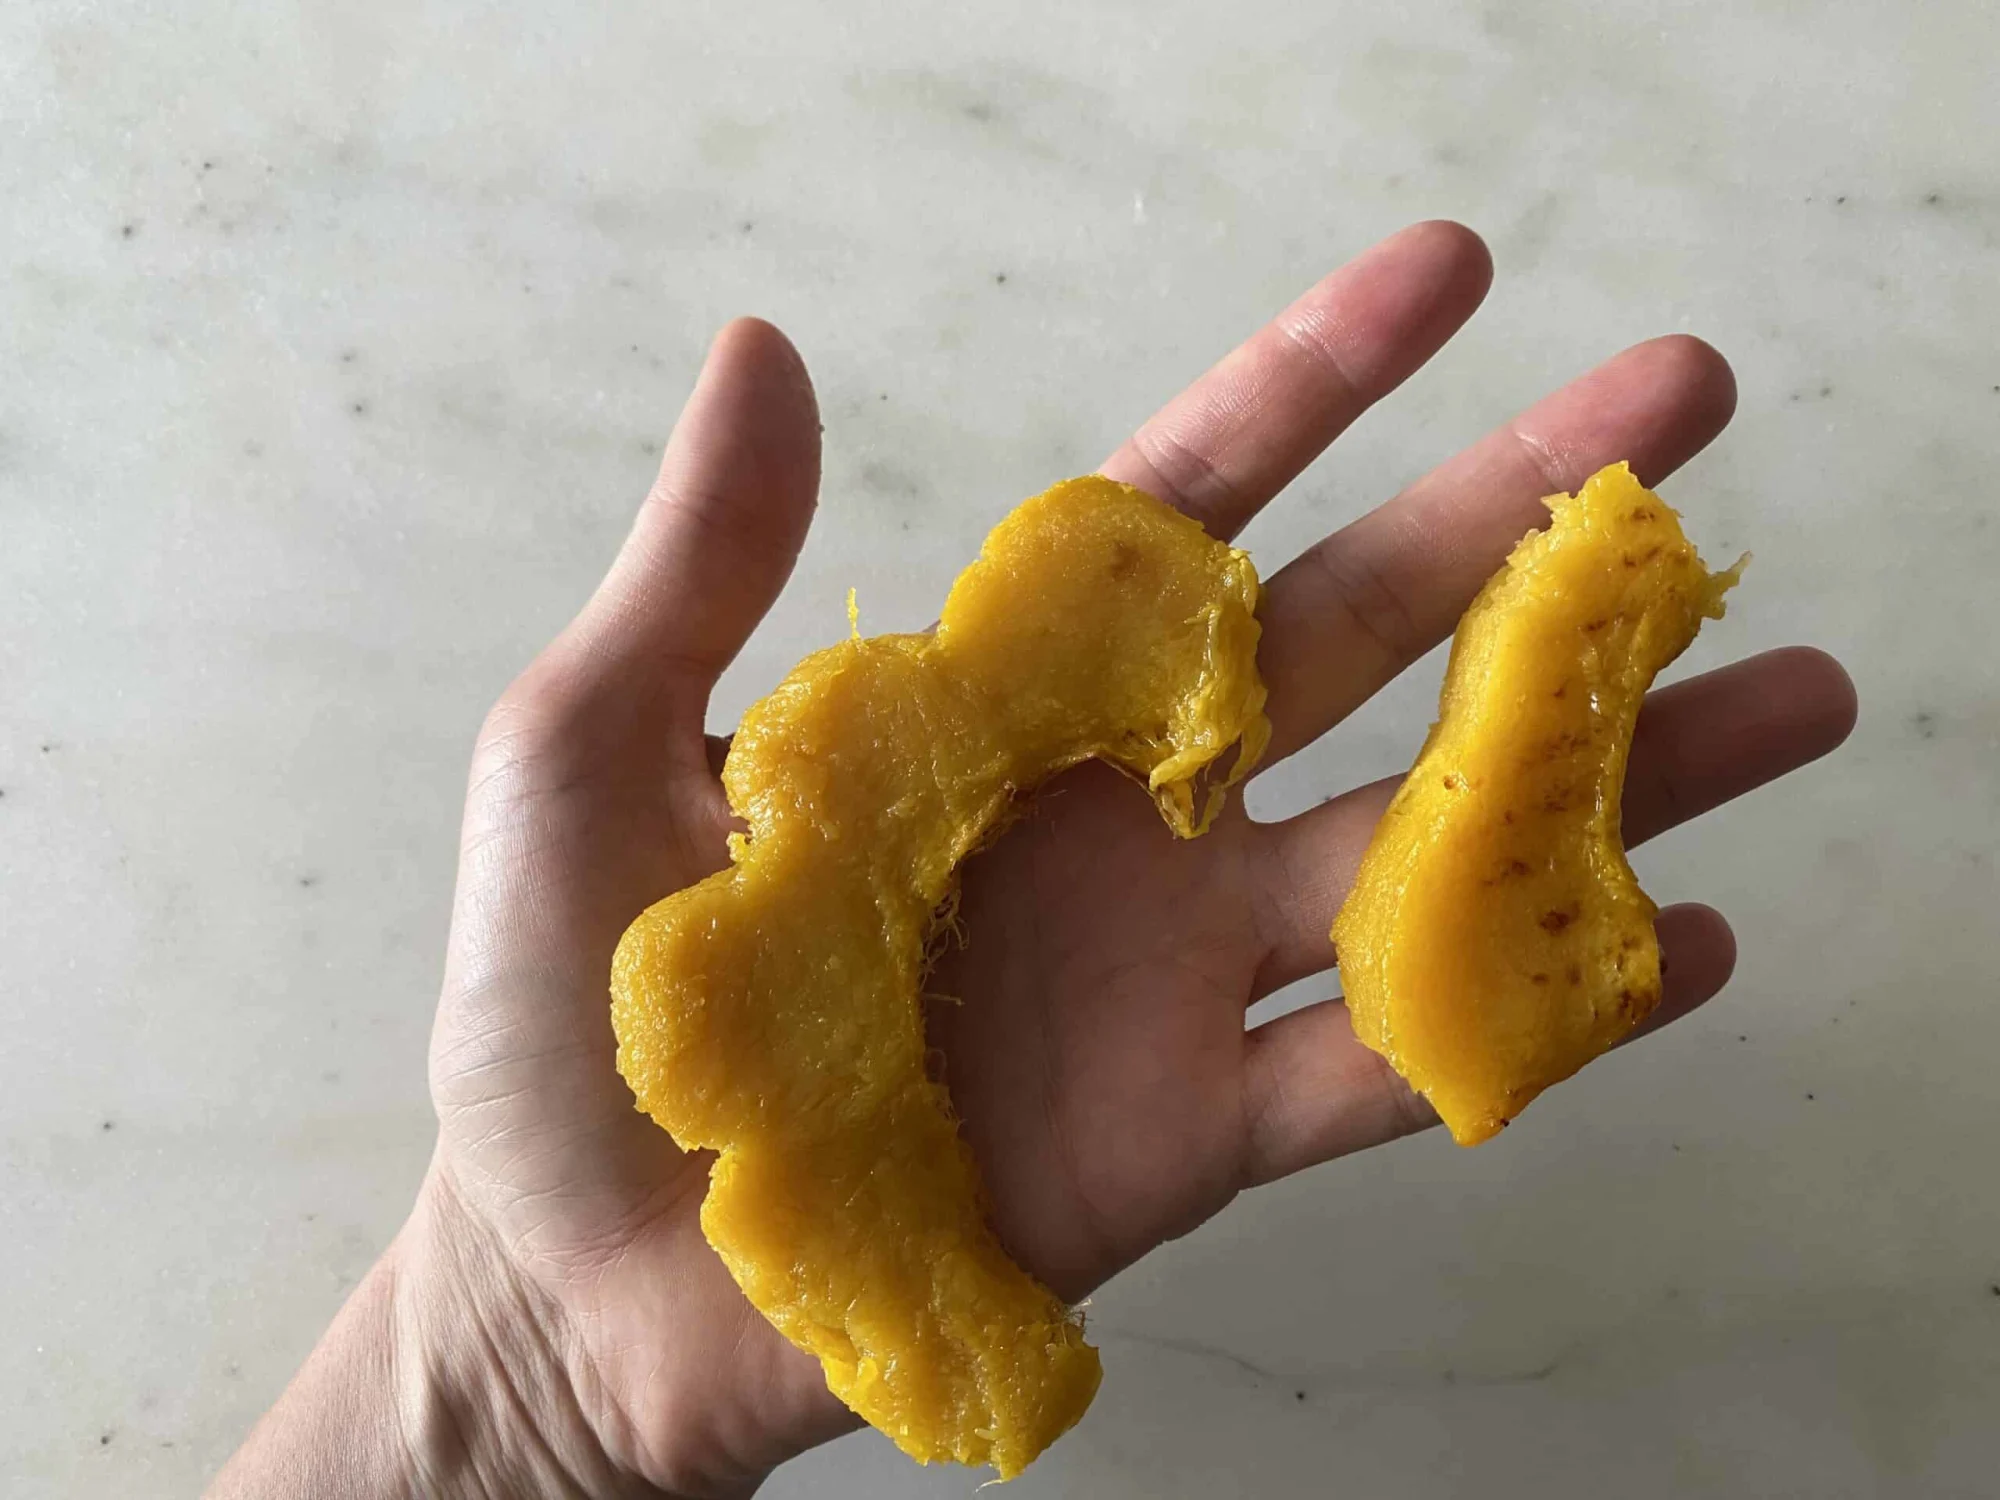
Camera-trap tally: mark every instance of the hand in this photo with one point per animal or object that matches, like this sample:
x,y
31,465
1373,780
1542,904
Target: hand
x,y
1098,1056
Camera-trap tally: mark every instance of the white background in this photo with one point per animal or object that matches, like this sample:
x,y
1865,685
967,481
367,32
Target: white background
x,y
340,340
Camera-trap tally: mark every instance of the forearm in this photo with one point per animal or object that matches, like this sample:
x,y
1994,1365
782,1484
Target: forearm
x,y
432,1383
336,1431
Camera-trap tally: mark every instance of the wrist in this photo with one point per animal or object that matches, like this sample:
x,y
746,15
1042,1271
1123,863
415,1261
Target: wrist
x,y
485,1379
439,1379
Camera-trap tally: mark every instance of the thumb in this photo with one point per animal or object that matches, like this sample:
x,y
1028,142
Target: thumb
x,y
717,536
574,819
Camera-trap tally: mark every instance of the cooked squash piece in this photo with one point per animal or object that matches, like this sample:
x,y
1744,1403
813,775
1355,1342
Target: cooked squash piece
x,y
772,1013
1495,940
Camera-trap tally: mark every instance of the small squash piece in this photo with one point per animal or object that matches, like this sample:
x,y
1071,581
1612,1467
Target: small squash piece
x,y
1496,940
772,1012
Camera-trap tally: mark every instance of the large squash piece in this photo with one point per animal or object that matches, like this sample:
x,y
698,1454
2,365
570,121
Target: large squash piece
x,y
1495,940
772,1013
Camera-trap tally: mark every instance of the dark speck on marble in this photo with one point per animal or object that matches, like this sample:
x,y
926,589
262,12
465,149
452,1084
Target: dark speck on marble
x,y
1925,724
1933,198
47,746
104,1439
746,226
348,356
999,278
108,1125
359,408
1811,1096
978,110
1298,1395
307,882
127,230
1842,198
889,479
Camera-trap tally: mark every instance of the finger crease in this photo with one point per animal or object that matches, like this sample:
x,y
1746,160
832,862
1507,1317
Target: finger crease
x,y
1371,603
1307,337
1407,1109
1203,487
1663,800
1542,455
1267,1104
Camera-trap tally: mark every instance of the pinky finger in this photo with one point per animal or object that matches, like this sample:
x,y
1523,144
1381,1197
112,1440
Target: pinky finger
x,y
1313,1093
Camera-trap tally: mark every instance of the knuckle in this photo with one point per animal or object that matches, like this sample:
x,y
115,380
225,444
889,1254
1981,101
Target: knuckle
x,y
527,708
538,720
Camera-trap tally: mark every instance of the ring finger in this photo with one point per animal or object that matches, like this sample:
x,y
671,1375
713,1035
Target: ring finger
x,y
1699,744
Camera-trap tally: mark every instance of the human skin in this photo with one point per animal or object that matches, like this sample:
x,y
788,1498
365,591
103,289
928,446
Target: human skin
x,y
550,1320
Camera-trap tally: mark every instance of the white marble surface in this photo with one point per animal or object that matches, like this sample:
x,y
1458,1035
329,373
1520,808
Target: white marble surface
x,y
341,335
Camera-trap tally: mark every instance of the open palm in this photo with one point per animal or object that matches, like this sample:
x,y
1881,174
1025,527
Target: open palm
x,y
1094,1038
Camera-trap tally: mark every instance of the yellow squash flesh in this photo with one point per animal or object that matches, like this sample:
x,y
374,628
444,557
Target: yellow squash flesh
x,y
1496,940
772,1012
